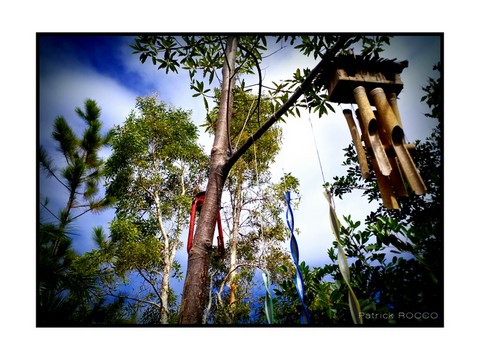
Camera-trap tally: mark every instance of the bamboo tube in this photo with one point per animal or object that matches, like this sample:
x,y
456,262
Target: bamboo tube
x,y
382,134
386,140
370,125
396,178
392,100
386,192
386,115
366,139
395,134
409,169
357,142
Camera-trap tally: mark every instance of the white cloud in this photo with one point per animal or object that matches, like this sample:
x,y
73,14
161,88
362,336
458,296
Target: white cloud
x,y
64,90
61,91
172,88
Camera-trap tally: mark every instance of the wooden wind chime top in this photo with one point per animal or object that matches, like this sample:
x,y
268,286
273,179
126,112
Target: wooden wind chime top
x,y
374,84
347,72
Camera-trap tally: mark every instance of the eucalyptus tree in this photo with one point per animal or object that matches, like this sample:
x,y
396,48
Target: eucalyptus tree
x,y
152,174
202,56
257,236
252,213
79,173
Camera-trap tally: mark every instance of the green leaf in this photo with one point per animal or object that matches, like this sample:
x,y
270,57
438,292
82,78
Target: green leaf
x,y
210,78
205,102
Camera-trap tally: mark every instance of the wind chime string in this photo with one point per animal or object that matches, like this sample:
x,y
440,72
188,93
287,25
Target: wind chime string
x,y
316,146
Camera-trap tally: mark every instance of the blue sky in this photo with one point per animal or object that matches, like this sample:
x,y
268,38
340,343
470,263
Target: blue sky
x,y
74,68
18,72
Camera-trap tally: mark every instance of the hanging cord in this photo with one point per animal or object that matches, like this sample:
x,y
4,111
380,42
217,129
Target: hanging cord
x,y
316,146
313,135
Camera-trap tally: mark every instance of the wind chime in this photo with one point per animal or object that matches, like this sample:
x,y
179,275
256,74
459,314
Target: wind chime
x,y
374,84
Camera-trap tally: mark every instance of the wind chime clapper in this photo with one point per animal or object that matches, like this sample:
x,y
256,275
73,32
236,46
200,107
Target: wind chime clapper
x,y
373,85
197,204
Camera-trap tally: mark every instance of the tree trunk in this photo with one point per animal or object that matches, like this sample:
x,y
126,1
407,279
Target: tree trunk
x,y
196,280
164,287
167,267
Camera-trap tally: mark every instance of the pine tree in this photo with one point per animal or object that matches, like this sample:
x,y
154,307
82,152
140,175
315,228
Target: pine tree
x,y
60,289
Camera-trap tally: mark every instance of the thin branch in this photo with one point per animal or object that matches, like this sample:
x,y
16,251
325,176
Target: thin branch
x,y
224,50
259,79
51,213
45,165
276,51
152,284
227,276
142,185
92,207
209,304
246,58
83,206
249,115
136,299
264,86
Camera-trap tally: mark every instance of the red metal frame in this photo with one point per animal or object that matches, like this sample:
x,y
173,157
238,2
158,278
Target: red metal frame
x,y
196,207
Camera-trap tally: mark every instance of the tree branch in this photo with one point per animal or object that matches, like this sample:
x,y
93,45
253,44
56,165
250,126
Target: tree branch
x,y
51,213
152,284
45,163
314,74
136,299
253,265
91,207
